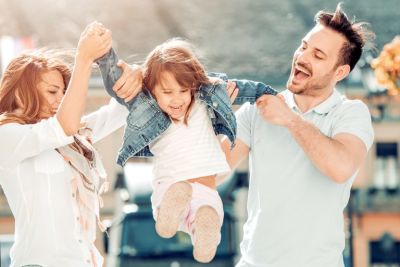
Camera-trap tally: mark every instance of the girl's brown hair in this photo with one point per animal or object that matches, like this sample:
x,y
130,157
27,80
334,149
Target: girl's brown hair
x,y
177,57
18,86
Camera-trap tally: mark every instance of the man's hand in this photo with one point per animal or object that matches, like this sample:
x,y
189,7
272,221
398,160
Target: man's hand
x,y
232,91
231,88
274,110
130,82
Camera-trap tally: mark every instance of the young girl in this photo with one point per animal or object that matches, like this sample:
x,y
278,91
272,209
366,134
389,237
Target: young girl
x,y
187,152
50,173
188,155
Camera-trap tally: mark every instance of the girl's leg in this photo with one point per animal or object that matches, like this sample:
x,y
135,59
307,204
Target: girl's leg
x,y
204,222
173,201
206,234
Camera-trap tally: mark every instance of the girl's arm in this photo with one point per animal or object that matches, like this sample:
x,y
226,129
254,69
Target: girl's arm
x,y
250,91
118,87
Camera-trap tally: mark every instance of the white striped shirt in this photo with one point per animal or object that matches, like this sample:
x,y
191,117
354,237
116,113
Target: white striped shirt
x,y
189,151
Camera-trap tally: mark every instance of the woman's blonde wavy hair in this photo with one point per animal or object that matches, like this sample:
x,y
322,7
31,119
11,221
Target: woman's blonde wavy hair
x,y
18,86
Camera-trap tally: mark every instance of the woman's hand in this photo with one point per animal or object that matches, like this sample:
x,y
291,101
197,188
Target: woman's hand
x,y
95,41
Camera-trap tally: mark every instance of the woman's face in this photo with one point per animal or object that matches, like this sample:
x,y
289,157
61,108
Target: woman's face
x,y
52,88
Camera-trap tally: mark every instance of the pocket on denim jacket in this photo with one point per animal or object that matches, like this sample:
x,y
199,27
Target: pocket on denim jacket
x,y
141,114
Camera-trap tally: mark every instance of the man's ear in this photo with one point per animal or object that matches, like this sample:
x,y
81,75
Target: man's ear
x,y
342,72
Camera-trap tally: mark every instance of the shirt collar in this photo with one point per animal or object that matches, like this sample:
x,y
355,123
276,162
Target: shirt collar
x,y
290,100
333,100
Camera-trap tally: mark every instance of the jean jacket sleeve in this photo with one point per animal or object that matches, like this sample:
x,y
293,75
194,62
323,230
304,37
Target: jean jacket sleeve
x,y
250,91
110,73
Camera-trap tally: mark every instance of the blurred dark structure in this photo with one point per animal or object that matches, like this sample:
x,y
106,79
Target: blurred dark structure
x,y
385,251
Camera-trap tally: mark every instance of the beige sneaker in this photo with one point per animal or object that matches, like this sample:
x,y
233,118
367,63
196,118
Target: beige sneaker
x,y
206,234
172,207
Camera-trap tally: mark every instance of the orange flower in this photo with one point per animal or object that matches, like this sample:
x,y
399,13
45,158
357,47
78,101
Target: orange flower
x,y
387,66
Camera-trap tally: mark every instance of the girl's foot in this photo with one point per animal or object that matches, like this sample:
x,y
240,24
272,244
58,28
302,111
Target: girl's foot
x,y
206,234
172,207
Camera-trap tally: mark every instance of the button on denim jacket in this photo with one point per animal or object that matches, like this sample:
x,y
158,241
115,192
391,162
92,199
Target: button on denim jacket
x,y
146,121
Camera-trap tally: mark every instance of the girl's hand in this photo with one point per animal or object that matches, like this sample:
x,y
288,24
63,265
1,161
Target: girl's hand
x,y
95,41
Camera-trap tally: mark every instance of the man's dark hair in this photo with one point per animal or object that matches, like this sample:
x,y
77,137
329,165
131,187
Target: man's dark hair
x,y
356,34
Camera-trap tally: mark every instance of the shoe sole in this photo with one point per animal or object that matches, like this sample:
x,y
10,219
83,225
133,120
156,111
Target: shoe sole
x,y
172,207
207,234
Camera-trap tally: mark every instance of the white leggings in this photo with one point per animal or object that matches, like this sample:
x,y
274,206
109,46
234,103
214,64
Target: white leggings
x,y
201,196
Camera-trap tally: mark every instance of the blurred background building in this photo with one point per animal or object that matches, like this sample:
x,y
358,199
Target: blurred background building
x,y
245,39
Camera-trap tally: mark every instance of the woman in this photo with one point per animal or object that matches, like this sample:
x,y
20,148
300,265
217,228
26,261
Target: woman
x,y
50,173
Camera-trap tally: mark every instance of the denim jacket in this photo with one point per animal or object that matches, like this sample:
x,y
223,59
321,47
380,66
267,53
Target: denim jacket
x,y
146,121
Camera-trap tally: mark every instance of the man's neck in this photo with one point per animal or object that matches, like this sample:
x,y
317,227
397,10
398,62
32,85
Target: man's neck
x,y
306,102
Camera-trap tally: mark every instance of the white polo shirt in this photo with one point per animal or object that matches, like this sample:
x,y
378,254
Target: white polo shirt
x,y
295,213
37,183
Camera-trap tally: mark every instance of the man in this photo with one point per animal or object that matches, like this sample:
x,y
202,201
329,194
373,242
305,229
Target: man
x,y
306,146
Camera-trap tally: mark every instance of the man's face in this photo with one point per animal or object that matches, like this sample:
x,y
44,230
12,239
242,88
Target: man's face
x,y
314,62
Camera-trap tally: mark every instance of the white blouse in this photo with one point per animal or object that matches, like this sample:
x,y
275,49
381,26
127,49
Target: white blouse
x,y
37,183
